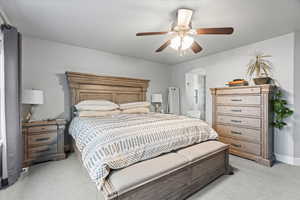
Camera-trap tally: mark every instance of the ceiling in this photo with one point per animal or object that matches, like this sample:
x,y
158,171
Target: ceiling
x,y
111,25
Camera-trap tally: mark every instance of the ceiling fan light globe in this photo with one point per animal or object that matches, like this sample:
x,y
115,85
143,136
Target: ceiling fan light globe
x,y
187,42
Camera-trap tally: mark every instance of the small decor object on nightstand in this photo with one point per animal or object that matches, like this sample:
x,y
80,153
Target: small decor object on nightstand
x,y
156,99
43,141
32,97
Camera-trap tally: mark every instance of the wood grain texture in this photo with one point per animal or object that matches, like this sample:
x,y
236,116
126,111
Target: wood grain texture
x,y
235,100
239,121
253,133
116,89
43,141
243,134
239,111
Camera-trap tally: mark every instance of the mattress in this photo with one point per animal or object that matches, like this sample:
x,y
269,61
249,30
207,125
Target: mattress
x,y
119,141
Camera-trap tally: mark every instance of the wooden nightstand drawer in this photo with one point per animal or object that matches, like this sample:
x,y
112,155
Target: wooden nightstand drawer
x,y
38,152
38,129
42,139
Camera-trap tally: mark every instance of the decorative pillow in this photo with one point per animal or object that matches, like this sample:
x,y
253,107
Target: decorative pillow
x,y
143,104
102,105
88,113
139,110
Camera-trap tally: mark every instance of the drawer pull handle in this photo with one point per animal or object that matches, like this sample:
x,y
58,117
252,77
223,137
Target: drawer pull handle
x,y
236,133
236,121
236,100
42,139
236,145
236,110
44,150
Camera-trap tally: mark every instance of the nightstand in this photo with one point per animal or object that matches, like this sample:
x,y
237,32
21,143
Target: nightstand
x,y
43,141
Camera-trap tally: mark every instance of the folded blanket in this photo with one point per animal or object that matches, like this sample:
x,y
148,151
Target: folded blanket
x,y
122,140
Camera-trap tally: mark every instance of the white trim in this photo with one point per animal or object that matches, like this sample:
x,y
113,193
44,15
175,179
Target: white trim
x,y
288,159
297,161
2,113
285,159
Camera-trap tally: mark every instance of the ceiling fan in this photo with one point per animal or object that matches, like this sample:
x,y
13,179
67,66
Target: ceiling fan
x,y
182,33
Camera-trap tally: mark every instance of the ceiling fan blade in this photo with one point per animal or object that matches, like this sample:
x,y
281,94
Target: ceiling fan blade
x,y
162,47
196,47
225,30
184,17
151,33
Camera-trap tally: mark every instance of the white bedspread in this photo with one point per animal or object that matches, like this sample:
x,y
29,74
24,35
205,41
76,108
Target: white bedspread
x,y
122,140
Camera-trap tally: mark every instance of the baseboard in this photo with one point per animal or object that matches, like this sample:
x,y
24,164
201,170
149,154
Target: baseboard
x,y
297,161
287,159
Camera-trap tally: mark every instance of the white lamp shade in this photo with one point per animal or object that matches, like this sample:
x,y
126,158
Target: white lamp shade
x,y
32,97
156,98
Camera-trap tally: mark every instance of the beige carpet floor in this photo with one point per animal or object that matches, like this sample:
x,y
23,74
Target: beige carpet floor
x,y
67,180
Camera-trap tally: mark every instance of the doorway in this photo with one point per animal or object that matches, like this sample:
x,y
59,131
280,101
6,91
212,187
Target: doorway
x,y
195,93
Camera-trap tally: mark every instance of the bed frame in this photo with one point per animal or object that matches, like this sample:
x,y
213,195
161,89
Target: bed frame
x,y
193,176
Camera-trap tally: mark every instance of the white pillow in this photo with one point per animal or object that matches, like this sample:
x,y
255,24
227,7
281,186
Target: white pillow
x,y
103,105
88,113
96,102
139,110
134,105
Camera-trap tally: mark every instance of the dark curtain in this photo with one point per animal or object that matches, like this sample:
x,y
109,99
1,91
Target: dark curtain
x,y
12,76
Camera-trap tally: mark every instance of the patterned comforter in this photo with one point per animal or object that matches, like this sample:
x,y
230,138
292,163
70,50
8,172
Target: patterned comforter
x,y
122,140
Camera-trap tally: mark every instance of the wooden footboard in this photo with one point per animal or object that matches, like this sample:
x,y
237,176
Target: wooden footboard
x,y
179,183
182,183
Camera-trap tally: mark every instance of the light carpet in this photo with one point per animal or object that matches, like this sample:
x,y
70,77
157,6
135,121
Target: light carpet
x,y
67,180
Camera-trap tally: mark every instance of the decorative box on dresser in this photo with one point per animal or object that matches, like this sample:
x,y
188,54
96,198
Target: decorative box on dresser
x,y
243,118
43,141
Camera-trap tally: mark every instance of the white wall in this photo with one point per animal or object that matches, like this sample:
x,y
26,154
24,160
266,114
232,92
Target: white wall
x,y
231,64
44,64
297,97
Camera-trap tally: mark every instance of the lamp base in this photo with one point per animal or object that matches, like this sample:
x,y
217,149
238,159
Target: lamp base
x,y
157,108
29,115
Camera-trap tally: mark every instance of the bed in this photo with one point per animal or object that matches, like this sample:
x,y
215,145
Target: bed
x,y
171,175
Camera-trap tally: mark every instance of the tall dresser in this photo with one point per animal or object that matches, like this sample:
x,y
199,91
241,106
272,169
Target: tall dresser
x,y
242,116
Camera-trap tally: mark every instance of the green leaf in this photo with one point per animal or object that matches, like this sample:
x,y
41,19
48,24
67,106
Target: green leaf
x,y
280,109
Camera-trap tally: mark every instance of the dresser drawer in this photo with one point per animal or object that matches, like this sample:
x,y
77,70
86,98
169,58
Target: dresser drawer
x,y
38,129
238,100
239,90
242,121
244,134
238,145
233,110
42,139
39,152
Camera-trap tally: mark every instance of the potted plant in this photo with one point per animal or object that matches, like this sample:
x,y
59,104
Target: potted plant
x,y
259,69
280,109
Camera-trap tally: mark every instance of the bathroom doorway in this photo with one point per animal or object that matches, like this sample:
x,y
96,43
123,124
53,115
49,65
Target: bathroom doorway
x,y
195,89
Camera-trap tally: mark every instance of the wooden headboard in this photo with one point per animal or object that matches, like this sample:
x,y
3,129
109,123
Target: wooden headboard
x,y
116,89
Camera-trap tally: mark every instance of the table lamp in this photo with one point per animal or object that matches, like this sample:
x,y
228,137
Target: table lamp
x,y
32,97
156,99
